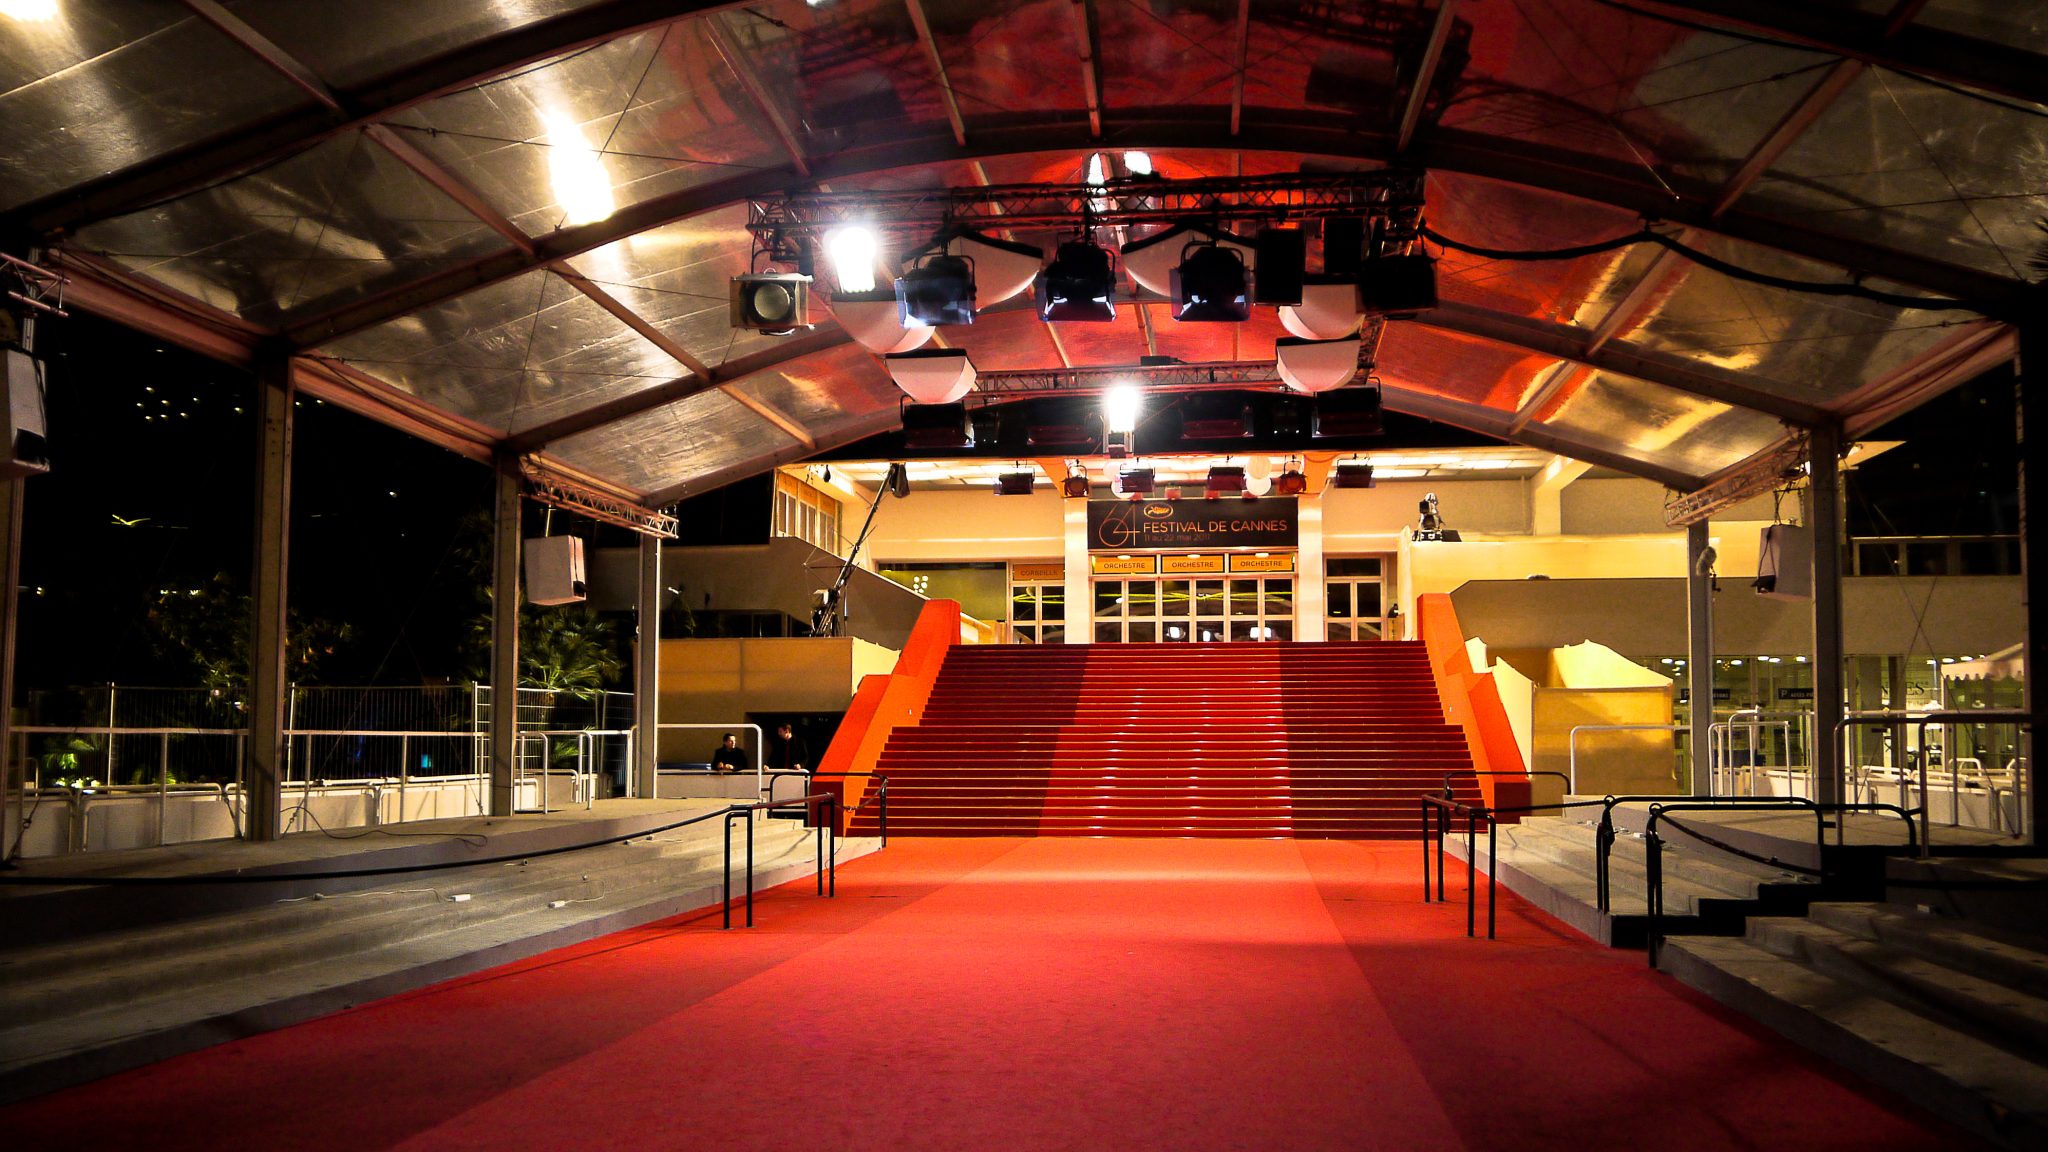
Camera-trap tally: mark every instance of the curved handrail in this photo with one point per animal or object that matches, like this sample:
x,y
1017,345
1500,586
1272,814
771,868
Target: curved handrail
x,y
826,861
881,794
1603,836
1486,772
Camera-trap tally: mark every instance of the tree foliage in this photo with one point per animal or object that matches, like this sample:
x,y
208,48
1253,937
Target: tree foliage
x,y
206,630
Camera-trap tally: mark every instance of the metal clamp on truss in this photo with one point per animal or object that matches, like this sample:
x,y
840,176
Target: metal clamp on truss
x,y
557,490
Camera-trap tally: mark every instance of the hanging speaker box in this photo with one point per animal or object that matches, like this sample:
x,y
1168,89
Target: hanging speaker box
x,y
27,452
554,570
1784,563
1279,266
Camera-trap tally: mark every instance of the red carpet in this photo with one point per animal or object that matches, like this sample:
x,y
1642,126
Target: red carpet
x,y
1059,993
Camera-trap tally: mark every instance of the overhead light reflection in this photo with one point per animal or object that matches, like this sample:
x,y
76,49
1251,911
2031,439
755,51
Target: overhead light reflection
x,y
29,10
581,185
853,251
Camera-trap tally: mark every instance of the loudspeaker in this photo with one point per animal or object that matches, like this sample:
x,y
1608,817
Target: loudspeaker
x,y
1215,416
1397,286
1343,245
1279,265
1348,412
554,570
28,453
1784,563
937,426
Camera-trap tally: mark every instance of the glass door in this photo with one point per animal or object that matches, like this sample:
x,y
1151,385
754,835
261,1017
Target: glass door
x,y
1357,596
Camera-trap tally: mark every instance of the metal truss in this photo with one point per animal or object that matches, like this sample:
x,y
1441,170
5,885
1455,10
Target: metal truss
x,y
32,285
1210,376
1768,469
552,488
1392,197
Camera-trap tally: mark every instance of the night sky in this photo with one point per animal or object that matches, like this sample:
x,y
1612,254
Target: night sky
x,y
165,440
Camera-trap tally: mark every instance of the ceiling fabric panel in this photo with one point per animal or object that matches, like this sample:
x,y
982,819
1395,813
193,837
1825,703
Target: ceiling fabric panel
x,y
1660,426
673,444
512,356
328,226
677,278
1009,57
1165,53
1999,21
98,87
847,73
362,40
660,110
1495,214
1807,347
1459,367
1597,80
1891,163
824,391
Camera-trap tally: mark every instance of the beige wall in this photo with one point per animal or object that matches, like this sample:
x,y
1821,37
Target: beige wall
x,y
720,681
1618,763
1439,566
970,524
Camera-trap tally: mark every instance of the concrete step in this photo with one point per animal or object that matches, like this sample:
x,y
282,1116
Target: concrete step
x,y
2018,963
1960,1076
173,993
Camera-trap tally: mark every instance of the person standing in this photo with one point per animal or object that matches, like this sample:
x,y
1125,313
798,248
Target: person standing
x,y
786,751
730,758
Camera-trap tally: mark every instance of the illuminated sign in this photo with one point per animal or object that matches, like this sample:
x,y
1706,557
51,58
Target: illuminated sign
x,y
1120,525
1037,573
1191,565
1123,565
1280,563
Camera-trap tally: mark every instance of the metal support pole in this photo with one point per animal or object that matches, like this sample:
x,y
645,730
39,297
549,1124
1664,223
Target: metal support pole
x,y
1824,518
262,774
647,670
13,770
505,642
1699,654
2033,492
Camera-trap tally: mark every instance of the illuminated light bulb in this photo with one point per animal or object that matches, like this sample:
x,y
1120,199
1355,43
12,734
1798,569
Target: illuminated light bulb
x,y
1138,163
581,185
853,251
29,10
1120,408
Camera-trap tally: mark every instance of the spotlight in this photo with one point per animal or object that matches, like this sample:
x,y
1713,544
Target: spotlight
x,y
1077,285
1348,412
1075,486
1356,474
875,319
1211,285
1290,483
576,172
1152,260
1224,480
1134,482
937,426
854,251
777,303
1397,286
1016,483
1316,365
1002,268
932,375
1120,408
938,291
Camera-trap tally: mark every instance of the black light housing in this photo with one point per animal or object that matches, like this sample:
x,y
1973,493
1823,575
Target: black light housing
x,y
1134,482
1215,416
777,303
1224,480
1290,483
1397,286
1211,285
937,426
1016,483
937,292
1078,284
1075,486
1281,262
1357,474
1352,411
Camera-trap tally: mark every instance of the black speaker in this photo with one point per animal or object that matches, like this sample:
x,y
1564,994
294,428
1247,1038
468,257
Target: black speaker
x,y
1397,286
1343,243
1348,412
28,453
937,426
1280,256
897,481
1215,416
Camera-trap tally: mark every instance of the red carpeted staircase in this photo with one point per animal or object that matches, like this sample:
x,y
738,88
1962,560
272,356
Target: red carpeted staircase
x,y
1278,740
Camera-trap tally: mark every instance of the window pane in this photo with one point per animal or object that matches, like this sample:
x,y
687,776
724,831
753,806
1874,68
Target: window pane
x,y
1173,598
1244,631
1369,600
1353,566
1109,632
1109,599
1052,602
1024,603
1208,597
1280,598
1244,598
1208,631
1052,634
1340,601
1337,633
1176,632
1143,598
1024,635
1144,632
1279,630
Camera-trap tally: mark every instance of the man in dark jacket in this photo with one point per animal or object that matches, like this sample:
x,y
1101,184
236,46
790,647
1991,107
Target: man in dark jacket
x,y
786,751
730,757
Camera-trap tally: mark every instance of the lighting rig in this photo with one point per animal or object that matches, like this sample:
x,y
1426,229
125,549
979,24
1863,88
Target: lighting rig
x,y
556,489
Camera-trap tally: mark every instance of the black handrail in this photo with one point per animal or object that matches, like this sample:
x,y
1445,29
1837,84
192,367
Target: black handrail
x,y
1473,813
882,793
1477,772
1603,836
826,862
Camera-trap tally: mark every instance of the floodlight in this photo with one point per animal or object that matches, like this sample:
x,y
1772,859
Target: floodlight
x,y
1328,309
1016,483
938,291
1134,482
853,250
1075,486
576,172
1224,480
1138,163
1002,268
777,303
1290,483
876,321
932,375
1152,260
1120,408
1211,285
1356,474
1316,365
1078,284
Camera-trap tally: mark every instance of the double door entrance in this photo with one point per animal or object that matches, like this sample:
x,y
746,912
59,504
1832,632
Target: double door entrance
x,y
1144,610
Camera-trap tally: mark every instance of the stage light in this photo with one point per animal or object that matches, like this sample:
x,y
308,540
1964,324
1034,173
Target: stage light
x,y
1282,264
1138,163
1224,480
1316,365
29,11
938,291
932,375
777,303
1078,284
875,319
1356,474
1328,310
1211,286
853,250
1215,416
1134,482
1152,260
1075,486
1002,268
1348,412
1397,286
1016,483
1290,483
940,426
1120,408
581,186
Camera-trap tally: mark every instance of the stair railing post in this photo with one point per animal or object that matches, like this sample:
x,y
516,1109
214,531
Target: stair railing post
x,y
1426,895
1471,871
1492,870
726,903
1653,870
750,872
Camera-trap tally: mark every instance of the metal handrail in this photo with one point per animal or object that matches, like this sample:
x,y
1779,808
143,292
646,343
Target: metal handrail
x,y
1572,741
1921,720
1603,836
828,827
1480,772
760,750
1473,813
882,793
